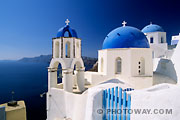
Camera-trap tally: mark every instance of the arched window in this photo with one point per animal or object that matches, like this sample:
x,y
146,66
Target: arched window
x,y
102,65
118,65
59,74
151,40
67,49
141,66
66,34
57,49
56,73
162,40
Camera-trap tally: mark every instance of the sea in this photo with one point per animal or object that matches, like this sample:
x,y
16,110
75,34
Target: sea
x,y
28,81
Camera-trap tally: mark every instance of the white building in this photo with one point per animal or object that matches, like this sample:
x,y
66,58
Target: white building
x,y
126,60
125,55
175,39
157,39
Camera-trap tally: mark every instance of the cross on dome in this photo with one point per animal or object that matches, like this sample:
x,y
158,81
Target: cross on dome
x,y
124,23
67,22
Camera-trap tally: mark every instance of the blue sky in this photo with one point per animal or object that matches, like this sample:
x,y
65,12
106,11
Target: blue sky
x,y
28,26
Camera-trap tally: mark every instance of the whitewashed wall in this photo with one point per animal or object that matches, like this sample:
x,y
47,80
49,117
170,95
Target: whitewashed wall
x,y
62,104
176,59
163,96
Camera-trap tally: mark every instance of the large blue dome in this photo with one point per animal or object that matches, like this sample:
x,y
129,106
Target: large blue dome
x,y
125,37
152,28
66,28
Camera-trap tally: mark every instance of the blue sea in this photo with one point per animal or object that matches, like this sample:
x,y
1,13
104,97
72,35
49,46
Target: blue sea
x,y
28,81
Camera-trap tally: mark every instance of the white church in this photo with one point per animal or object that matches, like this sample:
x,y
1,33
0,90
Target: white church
x,y
129,58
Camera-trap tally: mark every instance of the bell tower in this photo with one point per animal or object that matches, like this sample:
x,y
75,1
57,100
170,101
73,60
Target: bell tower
x,y
157,40
67,52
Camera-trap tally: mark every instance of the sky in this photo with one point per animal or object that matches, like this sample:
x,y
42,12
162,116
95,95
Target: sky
x,y
28,26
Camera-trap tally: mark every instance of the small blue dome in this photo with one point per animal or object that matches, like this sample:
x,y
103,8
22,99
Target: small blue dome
x,y
66,28
125,37
152,28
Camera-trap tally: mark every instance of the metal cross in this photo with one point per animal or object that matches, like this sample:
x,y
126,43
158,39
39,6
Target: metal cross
x,y
124,23
67,22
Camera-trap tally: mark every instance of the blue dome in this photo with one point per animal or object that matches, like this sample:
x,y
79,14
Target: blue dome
x,y
66,28
152,28
125,37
